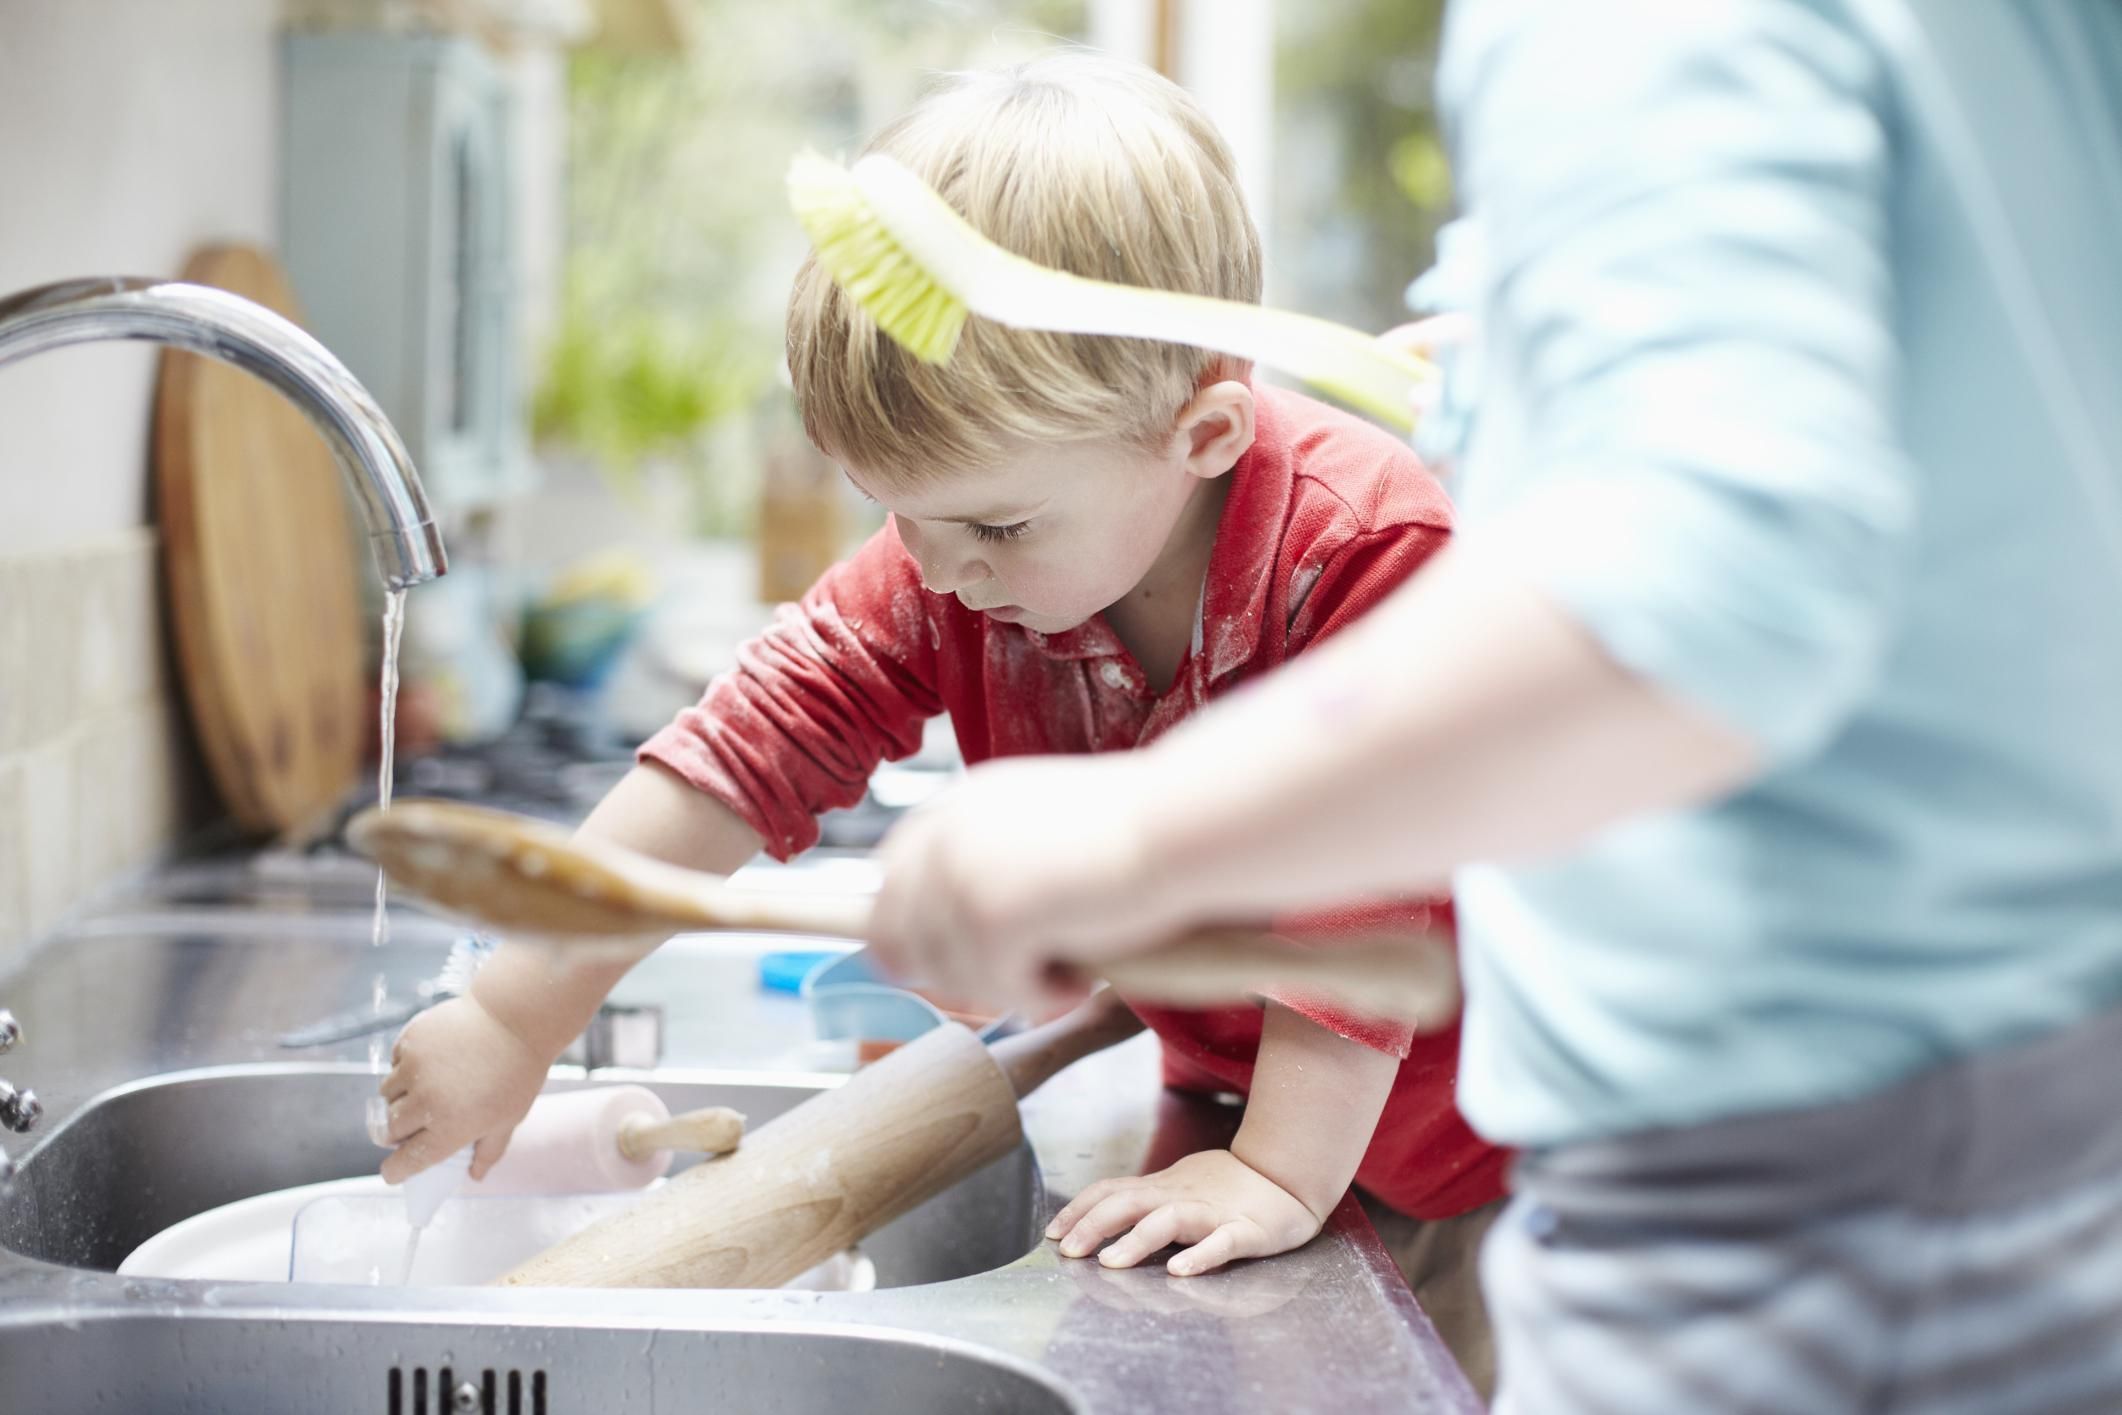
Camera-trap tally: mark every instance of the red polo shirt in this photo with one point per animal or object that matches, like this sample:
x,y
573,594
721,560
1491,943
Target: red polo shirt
x,y
1325,516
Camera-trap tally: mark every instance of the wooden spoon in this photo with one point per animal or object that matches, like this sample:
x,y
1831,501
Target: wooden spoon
x,y
530,878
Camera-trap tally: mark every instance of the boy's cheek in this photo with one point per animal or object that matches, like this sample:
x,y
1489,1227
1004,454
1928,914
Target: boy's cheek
x,y
1074,584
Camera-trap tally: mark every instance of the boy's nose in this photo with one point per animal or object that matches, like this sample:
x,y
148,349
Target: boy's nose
x,y
942,572
949,574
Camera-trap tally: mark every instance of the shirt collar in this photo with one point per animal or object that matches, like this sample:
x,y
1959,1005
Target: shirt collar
x,y
1241,564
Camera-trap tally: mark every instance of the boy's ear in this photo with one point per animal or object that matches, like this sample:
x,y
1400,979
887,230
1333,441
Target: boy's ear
x,y
1216,427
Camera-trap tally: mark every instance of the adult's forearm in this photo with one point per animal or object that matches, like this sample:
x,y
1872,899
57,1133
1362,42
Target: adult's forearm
x,y
1467,718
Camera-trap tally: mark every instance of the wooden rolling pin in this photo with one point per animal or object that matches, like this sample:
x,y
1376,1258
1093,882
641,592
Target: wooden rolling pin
x,y
833,1170
604,1139
528,877
710,1130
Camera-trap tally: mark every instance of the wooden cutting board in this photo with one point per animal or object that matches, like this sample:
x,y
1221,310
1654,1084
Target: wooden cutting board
x,y
258,554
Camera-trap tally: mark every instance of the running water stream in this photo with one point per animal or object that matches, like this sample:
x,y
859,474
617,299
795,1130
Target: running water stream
x,y
379,930
379,925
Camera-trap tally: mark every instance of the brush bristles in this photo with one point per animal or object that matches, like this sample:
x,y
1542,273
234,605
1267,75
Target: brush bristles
x,y
867,261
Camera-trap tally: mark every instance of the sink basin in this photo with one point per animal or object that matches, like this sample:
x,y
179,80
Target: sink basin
x,y
154,1039
137,1159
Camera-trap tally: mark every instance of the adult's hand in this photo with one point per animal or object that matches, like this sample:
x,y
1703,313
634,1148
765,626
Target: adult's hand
x,y
1024,863
1468,717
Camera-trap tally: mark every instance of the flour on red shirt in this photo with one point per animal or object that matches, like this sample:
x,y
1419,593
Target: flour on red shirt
x,y
1325,516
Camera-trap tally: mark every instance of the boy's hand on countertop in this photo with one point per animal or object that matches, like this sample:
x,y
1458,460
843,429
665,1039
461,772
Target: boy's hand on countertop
x,y
458,1077
1212,1200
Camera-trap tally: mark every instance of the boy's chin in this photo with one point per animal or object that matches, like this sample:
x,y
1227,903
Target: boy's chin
x,y
1040,623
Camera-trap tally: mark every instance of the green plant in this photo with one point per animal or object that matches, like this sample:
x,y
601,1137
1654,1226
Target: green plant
x,y
1361,179
679,241
631,384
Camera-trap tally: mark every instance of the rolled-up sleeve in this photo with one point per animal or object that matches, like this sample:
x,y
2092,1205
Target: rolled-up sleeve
x,y
1688,337
839,682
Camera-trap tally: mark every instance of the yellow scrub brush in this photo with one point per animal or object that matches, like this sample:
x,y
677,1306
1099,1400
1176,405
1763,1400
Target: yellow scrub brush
x,y
919,268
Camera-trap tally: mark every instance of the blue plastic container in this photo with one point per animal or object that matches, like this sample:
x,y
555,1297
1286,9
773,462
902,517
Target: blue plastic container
x,y
850,1001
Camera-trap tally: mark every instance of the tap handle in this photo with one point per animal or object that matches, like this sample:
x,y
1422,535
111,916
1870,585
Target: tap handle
x,y
19,1110
10,1031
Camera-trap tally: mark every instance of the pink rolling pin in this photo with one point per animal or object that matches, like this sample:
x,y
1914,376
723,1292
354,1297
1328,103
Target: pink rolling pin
x,y
601,1140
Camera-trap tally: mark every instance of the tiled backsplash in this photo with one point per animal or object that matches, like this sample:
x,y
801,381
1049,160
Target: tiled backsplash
x,y
97,770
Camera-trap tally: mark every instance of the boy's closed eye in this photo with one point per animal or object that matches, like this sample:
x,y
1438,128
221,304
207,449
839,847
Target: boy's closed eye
x,y
985,531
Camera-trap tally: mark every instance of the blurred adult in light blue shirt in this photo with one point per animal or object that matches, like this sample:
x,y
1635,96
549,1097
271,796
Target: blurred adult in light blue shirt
x,y
1800,385
1790,456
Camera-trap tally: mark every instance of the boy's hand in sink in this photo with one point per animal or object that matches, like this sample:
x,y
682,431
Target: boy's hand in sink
x,y
459,1076
466,1072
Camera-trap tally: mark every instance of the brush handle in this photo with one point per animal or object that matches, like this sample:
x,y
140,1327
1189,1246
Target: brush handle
x,y
1000,285
1348,363
712,1130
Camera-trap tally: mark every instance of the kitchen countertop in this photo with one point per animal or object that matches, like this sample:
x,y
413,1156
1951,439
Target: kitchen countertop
x,y
149,986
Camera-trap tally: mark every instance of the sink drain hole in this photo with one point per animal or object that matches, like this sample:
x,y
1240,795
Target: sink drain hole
x,y
418,1391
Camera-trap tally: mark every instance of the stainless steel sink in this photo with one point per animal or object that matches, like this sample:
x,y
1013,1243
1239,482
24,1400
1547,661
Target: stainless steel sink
x,y
153,1037
144,1156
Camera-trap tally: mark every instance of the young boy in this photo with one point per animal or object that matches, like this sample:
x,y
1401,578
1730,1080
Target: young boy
x,y
1089,539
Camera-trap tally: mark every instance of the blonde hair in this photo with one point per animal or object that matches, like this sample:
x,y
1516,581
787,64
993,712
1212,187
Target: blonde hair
x,y
1076,161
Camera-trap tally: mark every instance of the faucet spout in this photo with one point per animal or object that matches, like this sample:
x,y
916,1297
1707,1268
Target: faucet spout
x,y
402,532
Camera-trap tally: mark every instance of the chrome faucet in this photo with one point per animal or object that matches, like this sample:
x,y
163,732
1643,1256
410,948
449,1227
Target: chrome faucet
x,y
18,1109
402,532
